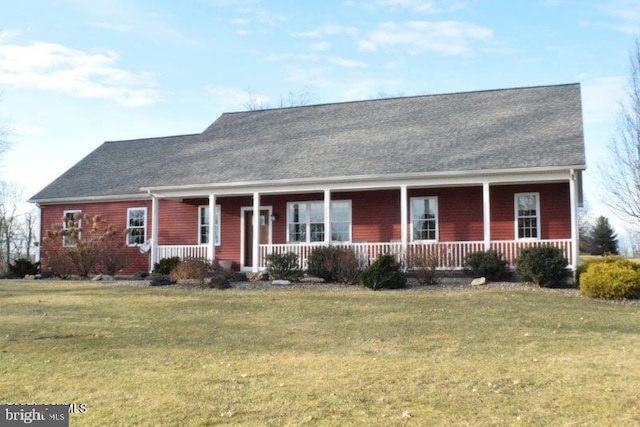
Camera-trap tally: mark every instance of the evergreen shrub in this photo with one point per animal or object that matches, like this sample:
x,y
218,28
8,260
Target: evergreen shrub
x,y
283,266
488,264
22,266
612,279
166,265
159,279
384,273
544,266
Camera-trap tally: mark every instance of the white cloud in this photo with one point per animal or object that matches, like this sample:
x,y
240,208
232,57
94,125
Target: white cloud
x,y
6,35
445,37
329,30
345,63
601,99
53,67
119,28
320,46
423,6
627,14
315,58
255,17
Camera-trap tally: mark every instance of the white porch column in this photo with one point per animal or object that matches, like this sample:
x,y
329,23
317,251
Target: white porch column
x,y
575,236
327,216
39,236
404,211
256,233
211,250
486,215
155,214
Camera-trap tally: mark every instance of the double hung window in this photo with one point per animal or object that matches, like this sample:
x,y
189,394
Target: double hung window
x,y
306,221
136,226
424,218
203,225
527,209
72,220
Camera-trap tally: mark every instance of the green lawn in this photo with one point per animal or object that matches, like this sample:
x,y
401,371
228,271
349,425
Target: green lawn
x,y
166,356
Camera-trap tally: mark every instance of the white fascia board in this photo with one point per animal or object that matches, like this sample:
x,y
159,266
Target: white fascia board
x,y
93,199
363,183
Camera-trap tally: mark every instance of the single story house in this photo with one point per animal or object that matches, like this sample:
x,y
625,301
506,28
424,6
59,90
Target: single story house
x,y
444,174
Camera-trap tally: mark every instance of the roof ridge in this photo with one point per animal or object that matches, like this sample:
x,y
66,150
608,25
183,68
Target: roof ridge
x,y
152,138
403,97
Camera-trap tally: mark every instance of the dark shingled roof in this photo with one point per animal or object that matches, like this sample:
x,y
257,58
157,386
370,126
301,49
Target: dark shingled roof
x,y
471,131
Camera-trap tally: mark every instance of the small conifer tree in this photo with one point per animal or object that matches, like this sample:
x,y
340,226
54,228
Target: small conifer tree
x,y
603,239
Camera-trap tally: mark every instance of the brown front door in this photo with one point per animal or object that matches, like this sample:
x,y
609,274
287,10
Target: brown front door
x,y
248,233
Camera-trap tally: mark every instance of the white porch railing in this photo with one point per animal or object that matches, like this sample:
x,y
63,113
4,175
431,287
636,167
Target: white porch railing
x,y
450,254
510,249
183,251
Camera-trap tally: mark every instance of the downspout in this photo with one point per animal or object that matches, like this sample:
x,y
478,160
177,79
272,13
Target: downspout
x,y
38,255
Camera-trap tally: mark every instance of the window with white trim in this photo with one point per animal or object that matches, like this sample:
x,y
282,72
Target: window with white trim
x,y
306,221
203,225
527,210
136,226
71,219
424,218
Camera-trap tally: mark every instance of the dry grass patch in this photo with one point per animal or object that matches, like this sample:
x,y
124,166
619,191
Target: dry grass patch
x,y
142,355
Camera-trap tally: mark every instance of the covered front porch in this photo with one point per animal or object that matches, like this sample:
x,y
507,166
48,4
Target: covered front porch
x,y
445,218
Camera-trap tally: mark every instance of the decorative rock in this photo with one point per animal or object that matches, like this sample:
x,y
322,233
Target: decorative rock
x,y
29,277
479,281
100,277
311,279
281,282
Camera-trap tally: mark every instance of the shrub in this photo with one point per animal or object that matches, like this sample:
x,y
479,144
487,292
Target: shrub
x,y
384,273
585,263
333,264
283,266
159,279
488,264
424,267
611,279
81,245
139,275
21,267
219,280
192,269
166,265
545,266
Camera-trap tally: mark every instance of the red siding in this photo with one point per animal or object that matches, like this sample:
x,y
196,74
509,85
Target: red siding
x,y
555,210
459,212
375,216
113,213
230,208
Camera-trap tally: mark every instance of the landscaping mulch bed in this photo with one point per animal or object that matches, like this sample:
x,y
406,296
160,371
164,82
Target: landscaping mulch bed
x,y
448,284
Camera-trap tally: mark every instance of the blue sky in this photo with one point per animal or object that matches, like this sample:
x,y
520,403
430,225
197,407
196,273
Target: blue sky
x,y
75,73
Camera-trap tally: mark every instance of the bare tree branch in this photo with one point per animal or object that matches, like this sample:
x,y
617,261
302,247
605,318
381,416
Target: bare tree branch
x,y
293,99
5,130
622,178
